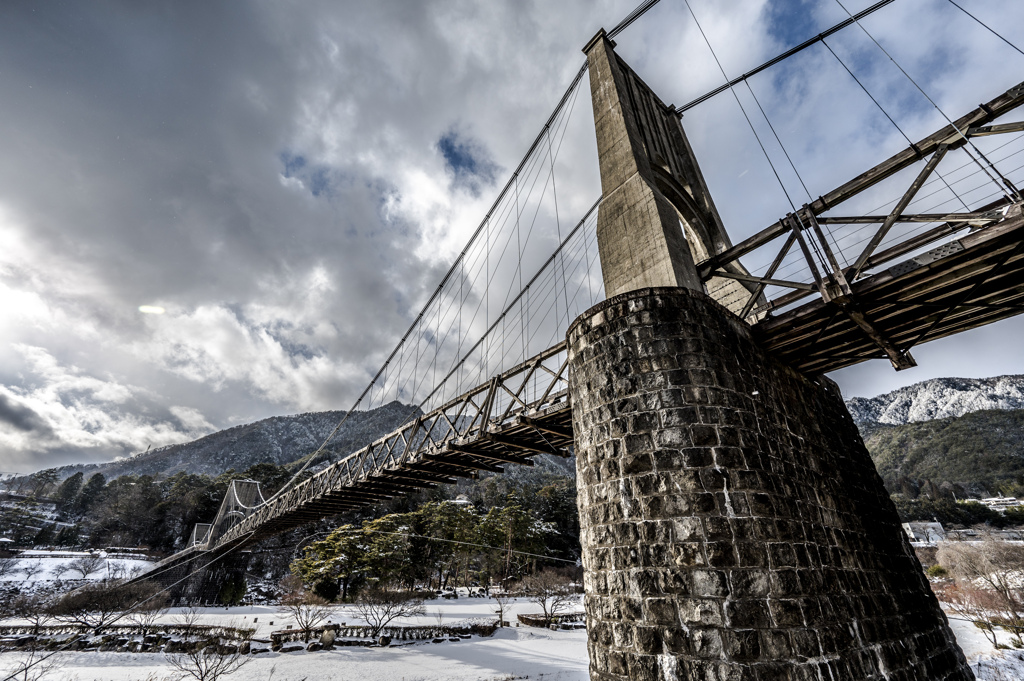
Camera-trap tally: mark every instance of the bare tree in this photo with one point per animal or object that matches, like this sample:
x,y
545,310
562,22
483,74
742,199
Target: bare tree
x,y
145,615
307,609
378,608
86,565
188,619
31,607
504,600
207,660
974,605
993,566
552,590
207,663
117,570
8,566
59,569
32,568
97,605
33,665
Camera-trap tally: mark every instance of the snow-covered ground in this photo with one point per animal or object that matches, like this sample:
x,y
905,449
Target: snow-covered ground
x,y
512,653
988,663
50,566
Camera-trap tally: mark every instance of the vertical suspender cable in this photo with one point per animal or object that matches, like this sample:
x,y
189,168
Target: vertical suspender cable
x,y
733,91
1008,185
777,139
886,114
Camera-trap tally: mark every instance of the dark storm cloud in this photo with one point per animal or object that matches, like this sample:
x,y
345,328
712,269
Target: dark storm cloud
x,y
21,417
252,168
176,118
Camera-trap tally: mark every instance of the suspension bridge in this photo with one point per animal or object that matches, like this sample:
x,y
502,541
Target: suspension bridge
x,y
493,381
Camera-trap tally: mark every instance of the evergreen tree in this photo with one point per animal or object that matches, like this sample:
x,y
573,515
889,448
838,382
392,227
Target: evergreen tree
x,y
336,560
45,536
453,526
68,536
43,481
68,492
91,492
387,557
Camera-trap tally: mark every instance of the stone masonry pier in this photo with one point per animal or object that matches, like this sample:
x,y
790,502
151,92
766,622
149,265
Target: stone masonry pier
x,y
733,524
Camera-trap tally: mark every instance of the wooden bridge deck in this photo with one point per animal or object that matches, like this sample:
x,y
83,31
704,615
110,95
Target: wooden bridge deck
x,y
970,282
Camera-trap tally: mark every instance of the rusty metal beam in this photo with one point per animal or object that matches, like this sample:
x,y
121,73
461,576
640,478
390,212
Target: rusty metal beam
x,y
901,205
983,115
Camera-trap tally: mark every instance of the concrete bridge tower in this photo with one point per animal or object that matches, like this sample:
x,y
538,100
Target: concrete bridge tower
x,y
733,524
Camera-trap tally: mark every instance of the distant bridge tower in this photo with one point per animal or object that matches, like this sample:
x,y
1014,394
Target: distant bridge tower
x,y
733,524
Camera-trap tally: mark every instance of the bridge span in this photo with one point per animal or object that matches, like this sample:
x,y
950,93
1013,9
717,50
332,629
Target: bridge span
x,y
527,410
732,522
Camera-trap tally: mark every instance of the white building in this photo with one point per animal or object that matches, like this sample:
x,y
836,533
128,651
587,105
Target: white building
x,y
1001,503
924,533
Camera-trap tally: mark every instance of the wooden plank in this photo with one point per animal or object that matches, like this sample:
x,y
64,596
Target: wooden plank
x,y
542,426
983,130
517,443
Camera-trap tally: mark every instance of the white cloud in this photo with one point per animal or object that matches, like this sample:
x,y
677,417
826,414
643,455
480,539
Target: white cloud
x,y
192,419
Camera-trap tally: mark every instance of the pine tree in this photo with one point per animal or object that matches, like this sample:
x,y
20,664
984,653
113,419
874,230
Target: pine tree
x,y
68,536
91,492
45,535
67,493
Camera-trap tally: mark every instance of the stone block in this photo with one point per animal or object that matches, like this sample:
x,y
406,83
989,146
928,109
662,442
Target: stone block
x,y
731,536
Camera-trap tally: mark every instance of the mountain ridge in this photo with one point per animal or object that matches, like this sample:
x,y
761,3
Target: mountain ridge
x,y
284,440
939,398
280,440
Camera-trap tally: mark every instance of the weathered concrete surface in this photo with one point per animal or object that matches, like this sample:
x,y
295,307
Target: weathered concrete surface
x,y
733,524
639,236
657,216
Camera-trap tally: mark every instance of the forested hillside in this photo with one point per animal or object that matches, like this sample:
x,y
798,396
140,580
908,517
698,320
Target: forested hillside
x,y
981,449
279,440
947,437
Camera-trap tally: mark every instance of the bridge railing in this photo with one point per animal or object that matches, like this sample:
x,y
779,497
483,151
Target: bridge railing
x,y
813,238
527,388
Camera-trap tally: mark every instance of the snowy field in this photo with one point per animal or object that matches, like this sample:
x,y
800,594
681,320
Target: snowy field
x,y
512,653
988,663
51,566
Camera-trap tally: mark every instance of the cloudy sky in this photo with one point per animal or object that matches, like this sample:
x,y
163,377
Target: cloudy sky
x,y
289,181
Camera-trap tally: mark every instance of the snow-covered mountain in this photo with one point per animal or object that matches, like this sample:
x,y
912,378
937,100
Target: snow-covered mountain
x,y
278,440
939,398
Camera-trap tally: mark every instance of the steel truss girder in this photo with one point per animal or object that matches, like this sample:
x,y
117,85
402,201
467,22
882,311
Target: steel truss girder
x,y
517,414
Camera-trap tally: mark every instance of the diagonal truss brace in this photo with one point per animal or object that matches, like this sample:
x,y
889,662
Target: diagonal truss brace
x,y
977,120
901,205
